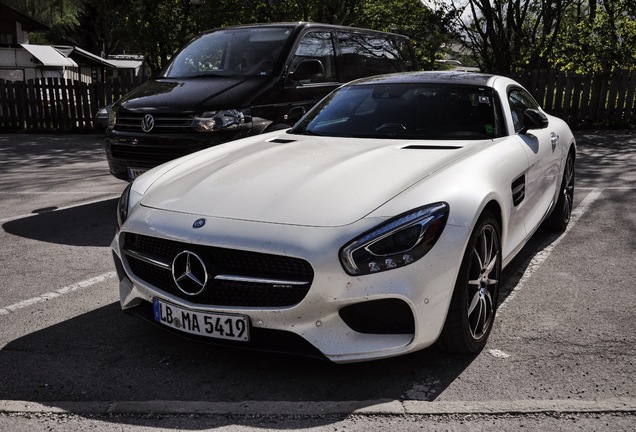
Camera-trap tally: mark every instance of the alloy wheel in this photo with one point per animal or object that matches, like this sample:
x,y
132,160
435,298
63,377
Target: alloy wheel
x,y
568,189
484,273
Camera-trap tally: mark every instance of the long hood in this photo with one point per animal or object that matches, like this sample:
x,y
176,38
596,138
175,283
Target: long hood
x,y
192,94
298,180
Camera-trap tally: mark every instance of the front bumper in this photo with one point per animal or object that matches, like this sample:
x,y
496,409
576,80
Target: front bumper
x,y
316,326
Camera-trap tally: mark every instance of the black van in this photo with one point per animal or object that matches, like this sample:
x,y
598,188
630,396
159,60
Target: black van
x,y
238,81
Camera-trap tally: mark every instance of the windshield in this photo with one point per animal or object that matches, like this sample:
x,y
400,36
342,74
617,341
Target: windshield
x,y
407,111
231,52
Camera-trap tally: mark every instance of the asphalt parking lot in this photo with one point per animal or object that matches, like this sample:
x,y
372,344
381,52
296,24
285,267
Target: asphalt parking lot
x,y
562,355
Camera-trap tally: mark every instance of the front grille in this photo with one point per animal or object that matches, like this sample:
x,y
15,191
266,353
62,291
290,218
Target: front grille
x,y
236,277
156,154
164,123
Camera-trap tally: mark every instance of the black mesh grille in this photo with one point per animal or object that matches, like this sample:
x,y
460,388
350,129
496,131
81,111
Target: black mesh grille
x,y
221,261
388,316
149,153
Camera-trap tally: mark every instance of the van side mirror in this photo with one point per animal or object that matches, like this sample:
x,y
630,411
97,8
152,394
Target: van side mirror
x,y
307,69
534,119
295,114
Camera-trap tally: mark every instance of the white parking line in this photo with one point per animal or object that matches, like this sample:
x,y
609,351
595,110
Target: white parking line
x,y
53,294
543,255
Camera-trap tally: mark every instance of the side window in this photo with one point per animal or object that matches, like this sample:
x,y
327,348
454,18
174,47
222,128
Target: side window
x,y
366,55
317,46
519,101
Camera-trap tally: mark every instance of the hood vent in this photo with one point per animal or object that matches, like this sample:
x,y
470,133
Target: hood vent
x,y
431,147
281,141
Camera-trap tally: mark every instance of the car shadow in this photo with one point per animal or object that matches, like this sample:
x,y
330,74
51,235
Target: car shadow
x,y
107,355
91,224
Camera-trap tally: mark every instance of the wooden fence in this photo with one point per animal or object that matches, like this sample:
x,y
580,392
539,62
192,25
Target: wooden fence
x,y
57,105
603,99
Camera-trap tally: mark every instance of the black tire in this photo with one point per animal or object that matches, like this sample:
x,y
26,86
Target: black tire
x,y
474,303
560,216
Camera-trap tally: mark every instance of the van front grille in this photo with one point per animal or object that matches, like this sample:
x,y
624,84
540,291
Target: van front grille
x,y
163,123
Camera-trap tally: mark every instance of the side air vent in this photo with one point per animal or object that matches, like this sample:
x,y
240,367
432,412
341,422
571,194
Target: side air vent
x,y
518,190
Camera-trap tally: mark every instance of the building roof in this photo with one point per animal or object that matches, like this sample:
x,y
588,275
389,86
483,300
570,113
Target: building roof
x,y
48,56
126,64
82,56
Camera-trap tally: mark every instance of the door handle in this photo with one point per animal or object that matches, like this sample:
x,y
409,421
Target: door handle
x,y
554,139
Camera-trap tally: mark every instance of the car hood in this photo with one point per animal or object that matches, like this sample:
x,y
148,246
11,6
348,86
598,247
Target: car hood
x,y
191,94
297,180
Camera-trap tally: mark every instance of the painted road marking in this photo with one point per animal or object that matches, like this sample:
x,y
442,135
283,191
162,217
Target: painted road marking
x,y
54,294
537,260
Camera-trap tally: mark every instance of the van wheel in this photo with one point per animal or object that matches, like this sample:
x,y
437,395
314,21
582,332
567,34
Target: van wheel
x,y
474,303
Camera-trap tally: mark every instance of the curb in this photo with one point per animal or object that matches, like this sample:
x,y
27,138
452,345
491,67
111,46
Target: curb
x,y
284,408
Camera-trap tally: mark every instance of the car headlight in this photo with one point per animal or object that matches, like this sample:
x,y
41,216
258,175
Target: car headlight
x,y
232,119
397,242
123,206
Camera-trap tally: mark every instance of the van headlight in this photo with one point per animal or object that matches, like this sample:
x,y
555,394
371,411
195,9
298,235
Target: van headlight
x,y
396,243
231,119
112,117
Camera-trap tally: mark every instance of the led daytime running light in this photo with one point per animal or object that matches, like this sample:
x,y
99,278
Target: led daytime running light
x,y
359,257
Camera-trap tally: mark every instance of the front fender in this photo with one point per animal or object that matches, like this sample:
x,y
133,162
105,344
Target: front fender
x,y
471,184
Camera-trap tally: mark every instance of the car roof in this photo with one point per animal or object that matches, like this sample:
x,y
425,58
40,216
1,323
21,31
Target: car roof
x,y
431,77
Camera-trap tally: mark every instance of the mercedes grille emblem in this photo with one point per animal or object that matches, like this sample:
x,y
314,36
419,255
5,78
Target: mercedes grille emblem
x,y
189,273
147,123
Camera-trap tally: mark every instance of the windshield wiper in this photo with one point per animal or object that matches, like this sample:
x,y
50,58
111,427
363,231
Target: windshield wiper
x,y
312,133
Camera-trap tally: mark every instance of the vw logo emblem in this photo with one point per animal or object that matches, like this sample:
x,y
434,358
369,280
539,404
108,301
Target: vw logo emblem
x,y
198,223
189,273
147,123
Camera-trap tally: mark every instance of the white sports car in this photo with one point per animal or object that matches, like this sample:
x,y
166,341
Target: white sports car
x,y
377,226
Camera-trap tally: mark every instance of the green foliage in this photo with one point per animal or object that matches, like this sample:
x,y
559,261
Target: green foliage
x,y
158,28
502,36
430,30
570,35
601,41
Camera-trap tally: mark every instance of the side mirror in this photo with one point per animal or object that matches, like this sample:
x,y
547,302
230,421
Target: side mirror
x,y
295,114
534,119
307,69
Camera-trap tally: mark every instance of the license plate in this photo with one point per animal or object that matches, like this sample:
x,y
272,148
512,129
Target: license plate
x,y
218,326
133,173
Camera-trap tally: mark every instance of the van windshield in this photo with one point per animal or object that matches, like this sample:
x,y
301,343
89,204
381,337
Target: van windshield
x,y
230,52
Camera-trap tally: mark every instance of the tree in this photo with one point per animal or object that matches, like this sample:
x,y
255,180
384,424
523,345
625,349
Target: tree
x,y
505,36
430,29
600,35
578,35
158,28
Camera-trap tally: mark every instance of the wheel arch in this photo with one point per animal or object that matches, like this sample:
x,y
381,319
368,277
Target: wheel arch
x,y
495,208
